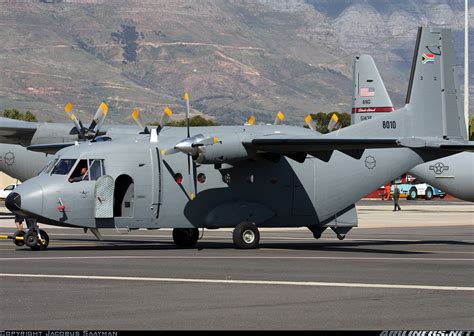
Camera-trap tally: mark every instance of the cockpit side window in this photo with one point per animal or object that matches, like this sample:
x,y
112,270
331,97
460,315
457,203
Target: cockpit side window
x,y
63,166
96,169
80,173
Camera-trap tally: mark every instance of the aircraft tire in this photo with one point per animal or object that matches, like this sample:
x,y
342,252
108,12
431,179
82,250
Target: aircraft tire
x,y
246,236
31,240
429,194
185,237
45,237
19,234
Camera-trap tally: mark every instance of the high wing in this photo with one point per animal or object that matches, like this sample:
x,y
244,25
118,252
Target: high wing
x,y
13,131
297,147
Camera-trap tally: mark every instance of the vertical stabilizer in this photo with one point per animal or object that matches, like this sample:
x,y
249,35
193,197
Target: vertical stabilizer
x,y
431,109
370,97
432,94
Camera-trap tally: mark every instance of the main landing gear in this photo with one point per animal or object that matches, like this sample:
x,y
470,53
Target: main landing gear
x,y
246,236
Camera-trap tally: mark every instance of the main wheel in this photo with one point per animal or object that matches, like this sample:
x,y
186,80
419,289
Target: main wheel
x,y
428,194
185,237
412,194
19,234
44,242
31,240
246,236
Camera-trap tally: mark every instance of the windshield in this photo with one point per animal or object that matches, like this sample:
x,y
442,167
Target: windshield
x,y
63,167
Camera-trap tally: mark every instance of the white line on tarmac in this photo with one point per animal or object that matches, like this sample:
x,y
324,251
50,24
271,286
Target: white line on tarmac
x,y
238,258
241,282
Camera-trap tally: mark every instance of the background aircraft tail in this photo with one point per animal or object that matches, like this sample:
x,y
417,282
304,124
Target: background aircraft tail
x,y
431,109
370,97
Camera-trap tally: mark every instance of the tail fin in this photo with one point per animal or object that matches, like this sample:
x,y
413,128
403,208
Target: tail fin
x,y
432,94
370,96
431,109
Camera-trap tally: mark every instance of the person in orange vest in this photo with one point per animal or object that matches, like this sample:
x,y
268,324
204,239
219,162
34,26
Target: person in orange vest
x,y
387,191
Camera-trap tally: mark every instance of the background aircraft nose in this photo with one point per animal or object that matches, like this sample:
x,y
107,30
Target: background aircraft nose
x,y
26,200
13,202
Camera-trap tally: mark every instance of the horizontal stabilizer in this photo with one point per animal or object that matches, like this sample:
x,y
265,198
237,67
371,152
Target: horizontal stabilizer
x,y
50,148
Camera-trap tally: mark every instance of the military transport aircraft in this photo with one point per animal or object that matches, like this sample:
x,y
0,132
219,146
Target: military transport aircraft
x,y
453,174
246,177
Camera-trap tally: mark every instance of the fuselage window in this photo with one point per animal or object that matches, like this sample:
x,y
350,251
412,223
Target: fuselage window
x,y
80,173
63,167
96,168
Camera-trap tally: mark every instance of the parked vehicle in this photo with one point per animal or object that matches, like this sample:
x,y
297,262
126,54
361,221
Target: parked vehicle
x,y
414,189
7,190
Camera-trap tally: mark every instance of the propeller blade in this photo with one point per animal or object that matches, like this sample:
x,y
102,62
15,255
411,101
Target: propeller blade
x,y
77,125
186,99
102,113
136,117
251,121
279,118
77,122
97,116
333,123
169,151
68,107
194,194
310,122
165,117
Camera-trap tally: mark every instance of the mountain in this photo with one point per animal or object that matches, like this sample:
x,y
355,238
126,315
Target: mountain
x,y
236,58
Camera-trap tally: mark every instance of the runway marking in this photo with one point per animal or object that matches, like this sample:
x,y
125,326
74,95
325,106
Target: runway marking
x,y
241,282
239,258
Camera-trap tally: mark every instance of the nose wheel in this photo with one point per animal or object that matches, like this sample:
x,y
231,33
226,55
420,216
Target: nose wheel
x,y
36,240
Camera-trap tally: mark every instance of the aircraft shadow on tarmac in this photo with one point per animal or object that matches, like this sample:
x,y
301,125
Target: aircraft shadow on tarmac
x,y
340,246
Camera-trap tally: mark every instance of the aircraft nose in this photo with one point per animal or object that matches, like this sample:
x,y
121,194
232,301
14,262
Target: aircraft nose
x,y
13,202
26,200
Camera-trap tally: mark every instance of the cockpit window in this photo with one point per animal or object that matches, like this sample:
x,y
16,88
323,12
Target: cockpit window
x,y
96,169
87,170
47,169
63,167
80,173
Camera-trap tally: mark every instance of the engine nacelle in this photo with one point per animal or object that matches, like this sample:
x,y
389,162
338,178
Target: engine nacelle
x,y
227,149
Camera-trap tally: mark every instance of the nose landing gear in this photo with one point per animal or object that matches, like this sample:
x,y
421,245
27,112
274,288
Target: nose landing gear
x,y
36,240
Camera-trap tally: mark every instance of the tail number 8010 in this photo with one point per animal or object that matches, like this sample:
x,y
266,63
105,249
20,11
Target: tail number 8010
x,y
389,124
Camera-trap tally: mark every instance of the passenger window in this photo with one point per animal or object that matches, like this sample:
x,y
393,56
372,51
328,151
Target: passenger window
x,y
96,169
63,167
80,173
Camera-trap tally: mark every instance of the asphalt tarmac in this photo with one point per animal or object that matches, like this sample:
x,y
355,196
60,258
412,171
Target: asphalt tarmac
x,y
393,276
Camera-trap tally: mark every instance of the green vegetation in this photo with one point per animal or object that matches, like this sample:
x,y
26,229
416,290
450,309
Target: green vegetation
x,y
193,122
322,120
15,114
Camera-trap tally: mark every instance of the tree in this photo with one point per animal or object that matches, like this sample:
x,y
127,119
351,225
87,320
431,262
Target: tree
x,y
194,122
15,114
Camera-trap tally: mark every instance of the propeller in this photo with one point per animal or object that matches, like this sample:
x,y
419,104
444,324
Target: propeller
x,y
93,131
279,118
191,146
